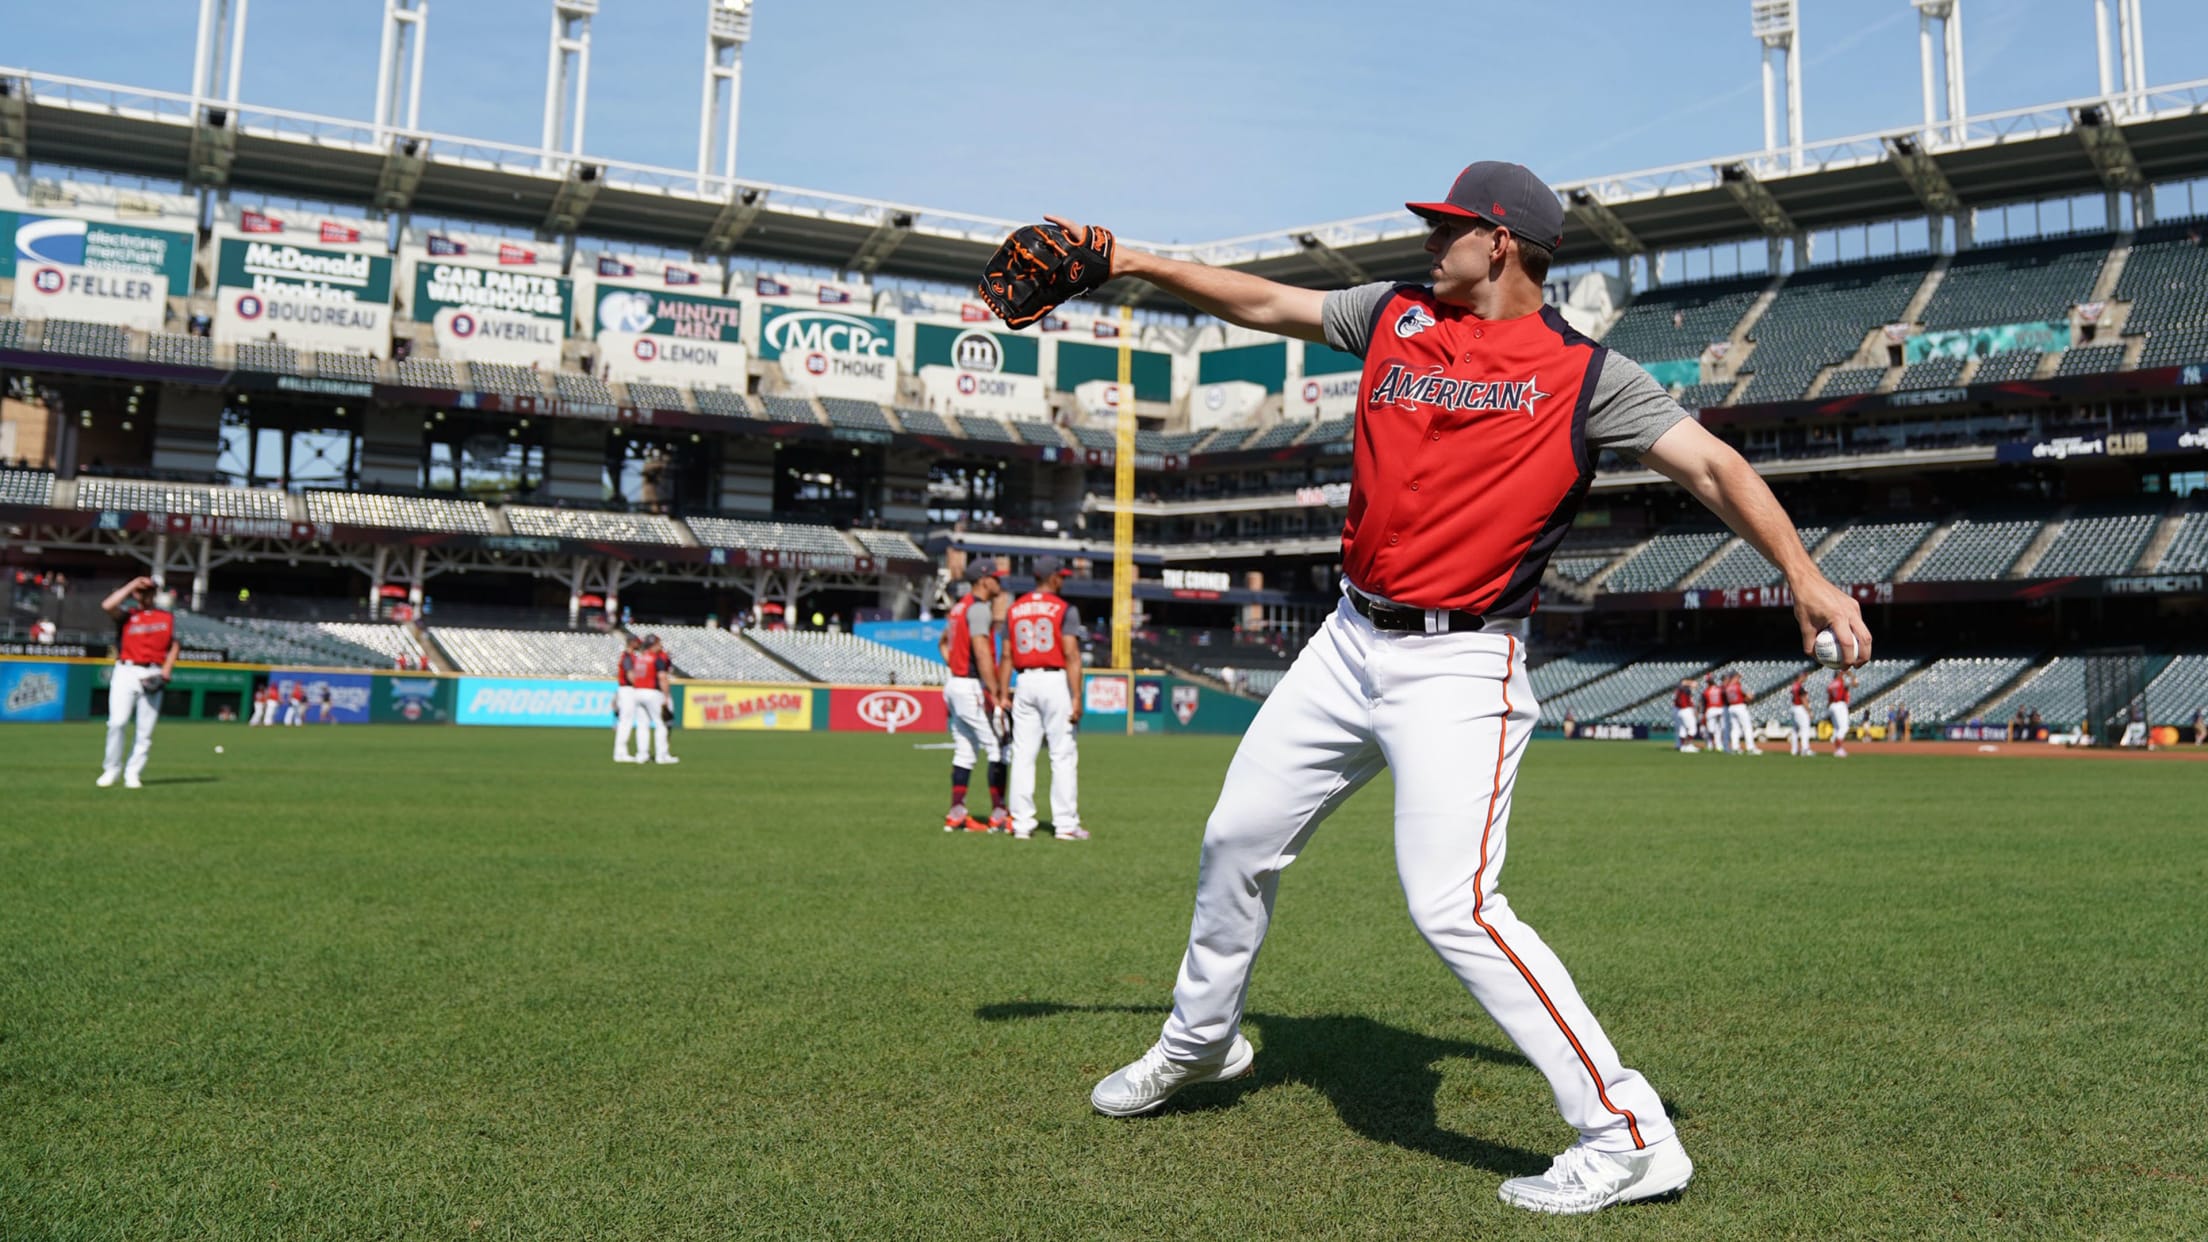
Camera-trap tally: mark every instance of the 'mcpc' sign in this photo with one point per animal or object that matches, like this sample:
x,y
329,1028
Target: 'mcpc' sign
x,y
887,711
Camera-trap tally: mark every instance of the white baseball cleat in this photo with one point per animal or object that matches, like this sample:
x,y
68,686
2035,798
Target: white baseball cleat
x,y
132,782
1153,1078
109,778
1585,1180
664,759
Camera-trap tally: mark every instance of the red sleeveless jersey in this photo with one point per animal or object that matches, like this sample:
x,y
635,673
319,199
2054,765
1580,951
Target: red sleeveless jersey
x,y
1801,695
1734,694
1037,622
1471,454
1837,692
147,635
960,629
642,670
1682,697
1713,697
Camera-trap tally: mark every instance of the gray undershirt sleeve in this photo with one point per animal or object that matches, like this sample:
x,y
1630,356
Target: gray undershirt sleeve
x,y
1073,623
1347,315
1630,409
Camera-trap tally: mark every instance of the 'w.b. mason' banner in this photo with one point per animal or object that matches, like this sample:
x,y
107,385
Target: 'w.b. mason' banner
x,y
304,296
830,352
652,336
974,371
485,314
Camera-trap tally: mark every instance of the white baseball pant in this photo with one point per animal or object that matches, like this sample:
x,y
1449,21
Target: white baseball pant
x,y
1839,713
1686,725
649,703
1042,710
1802,734
624,721
973,735
295,712
126,700
1713,728
1450,714
1740,726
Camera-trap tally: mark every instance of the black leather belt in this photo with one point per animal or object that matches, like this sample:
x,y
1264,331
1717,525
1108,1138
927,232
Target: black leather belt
x,y
1400,619
136,664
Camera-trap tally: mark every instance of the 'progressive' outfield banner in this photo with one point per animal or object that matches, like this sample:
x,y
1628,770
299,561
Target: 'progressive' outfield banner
x,y
535,701
831,353
2043,338
484,314
669,338
308,298
119,274
786,708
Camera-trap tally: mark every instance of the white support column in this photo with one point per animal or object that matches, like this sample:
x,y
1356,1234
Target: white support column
x,y
160,574
375,582
575,589
399,64
1957,106
1777,28
219,53
2100,47
1793,104
2136,33
414,587
199,573
727,29
567,76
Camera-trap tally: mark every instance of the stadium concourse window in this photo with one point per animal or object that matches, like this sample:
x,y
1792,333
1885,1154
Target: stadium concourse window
x,y
275,443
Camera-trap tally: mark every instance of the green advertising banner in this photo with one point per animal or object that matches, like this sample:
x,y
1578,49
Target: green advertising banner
x,y
1675,372
973,349
835,333
208,690
1078,363
1265,364
652,312
335,300
90,270
400,699
2041,338
1326,360
488,314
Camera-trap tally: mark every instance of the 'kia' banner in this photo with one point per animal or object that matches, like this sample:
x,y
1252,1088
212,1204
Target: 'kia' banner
x,y
889,710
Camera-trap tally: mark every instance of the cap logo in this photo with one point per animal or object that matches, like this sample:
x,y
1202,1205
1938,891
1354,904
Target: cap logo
x,y
1499,210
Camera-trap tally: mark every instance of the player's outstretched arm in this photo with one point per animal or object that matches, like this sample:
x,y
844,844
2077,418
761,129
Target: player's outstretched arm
x,y
1237,297
1722,479
113,604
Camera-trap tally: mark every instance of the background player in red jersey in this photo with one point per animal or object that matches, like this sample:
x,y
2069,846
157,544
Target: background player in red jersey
x,y
1682,707
1740,722
1802,735
145,657
1836,703
1481,414
1046,702
1713,713
643,672
974,696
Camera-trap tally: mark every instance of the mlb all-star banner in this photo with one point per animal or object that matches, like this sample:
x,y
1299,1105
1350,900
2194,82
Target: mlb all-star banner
x,y
669,338
1331,395
2042,338
307,297
831,353
975,349
1224,403
984,393
65,268
483,314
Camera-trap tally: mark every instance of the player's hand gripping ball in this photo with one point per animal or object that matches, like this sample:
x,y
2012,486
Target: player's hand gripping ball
x,y
1042,265
1828,650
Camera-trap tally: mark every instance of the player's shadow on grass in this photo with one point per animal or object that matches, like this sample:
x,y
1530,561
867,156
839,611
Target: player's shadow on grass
x,y
1380,1079
182,780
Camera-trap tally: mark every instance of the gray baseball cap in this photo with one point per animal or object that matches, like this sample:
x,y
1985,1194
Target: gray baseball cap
x,y
1505,194
1045,566
978,569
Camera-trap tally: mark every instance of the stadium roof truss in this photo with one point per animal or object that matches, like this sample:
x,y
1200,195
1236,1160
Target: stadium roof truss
x,y
2076,147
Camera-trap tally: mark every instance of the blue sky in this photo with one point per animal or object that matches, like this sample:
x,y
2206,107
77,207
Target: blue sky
x,y
1171,120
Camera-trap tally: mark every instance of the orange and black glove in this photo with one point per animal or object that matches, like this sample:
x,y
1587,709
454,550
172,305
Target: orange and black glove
x,y
1041,266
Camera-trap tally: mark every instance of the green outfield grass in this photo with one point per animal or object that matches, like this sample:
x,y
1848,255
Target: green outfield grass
x,y
422,983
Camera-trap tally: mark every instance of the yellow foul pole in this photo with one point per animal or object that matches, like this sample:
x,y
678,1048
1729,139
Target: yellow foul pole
x,y
1123,508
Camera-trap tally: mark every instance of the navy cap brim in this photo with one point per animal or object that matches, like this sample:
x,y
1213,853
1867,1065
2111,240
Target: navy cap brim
x,y
1445,210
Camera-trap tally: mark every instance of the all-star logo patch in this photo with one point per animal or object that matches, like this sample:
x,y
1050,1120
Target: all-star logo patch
x,y
1400,385
1413,321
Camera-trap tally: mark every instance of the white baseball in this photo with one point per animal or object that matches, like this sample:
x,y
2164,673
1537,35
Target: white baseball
x,y
1828,649
218,750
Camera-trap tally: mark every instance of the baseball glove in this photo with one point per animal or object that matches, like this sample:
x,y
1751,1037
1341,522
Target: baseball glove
x,y
153,685
667,713
1042,265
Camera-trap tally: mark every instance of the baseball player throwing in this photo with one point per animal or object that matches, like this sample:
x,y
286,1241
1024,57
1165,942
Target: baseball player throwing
x,y
145,659
1480,416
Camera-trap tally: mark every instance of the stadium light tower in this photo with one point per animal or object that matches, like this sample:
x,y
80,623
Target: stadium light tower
x,y
1777,27
1948,16
727,29
220,22
399,67
567,76
2131,52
